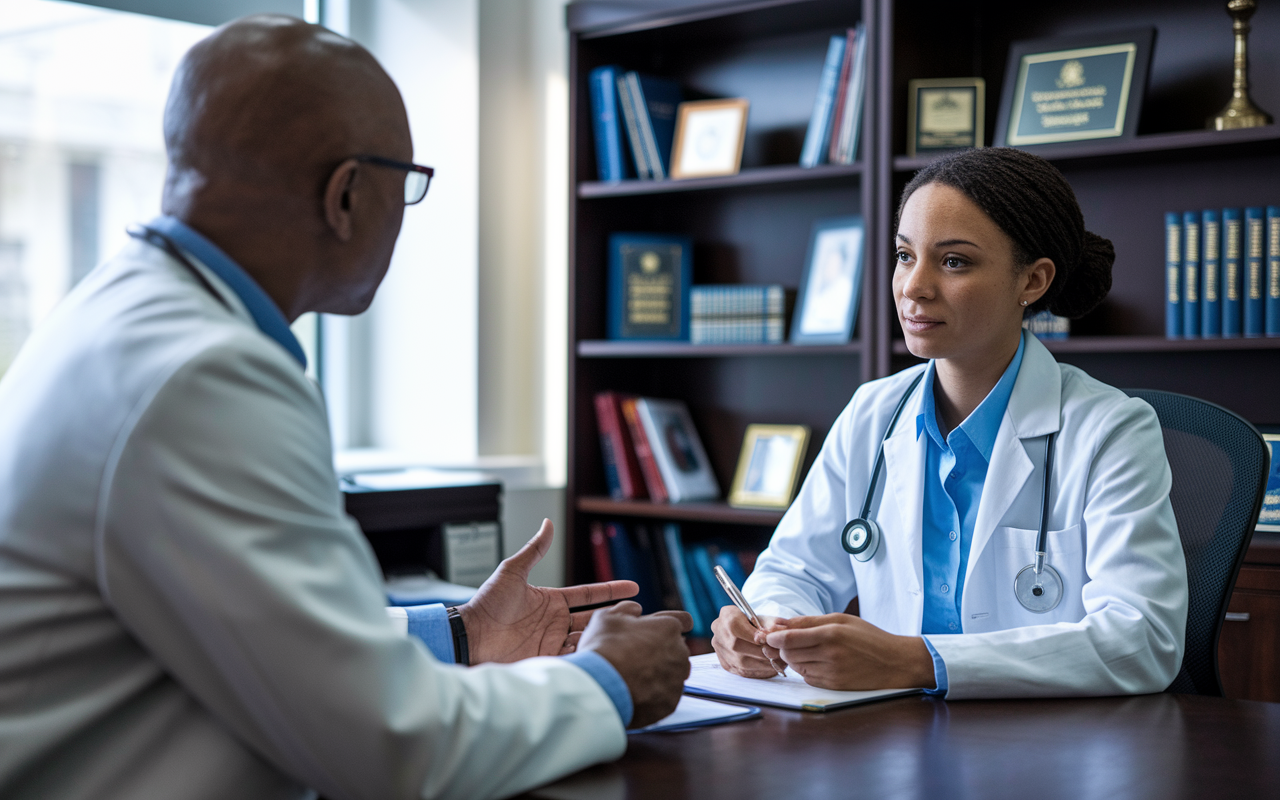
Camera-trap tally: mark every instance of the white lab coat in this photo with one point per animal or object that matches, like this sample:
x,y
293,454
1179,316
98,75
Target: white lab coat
x,y
186,611
1112,536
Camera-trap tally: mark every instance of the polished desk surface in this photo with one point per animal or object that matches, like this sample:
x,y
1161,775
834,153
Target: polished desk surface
x,y
1151,746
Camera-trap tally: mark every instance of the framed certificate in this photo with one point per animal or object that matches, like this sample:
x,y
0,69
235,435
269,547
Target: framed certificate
x,y
1077,89
945,114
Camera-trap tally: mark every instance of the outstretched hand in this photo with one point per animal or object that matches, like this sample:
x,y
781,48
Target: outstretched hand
x,y
508,620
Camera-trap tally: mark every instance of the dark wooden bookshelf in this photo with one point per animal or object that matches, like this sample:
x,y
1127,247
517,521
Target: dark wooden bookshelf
x,y
759,176
1138,344
684,512
605,348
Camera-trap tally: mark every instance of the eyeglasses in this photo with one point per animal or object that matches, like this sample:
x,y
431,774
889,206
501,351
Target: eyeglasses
x,y
416,180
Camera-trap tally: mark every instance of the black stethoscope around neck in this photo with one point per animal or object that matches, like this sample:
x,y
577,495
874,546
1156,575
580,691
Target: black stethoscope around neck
x,y
1038,586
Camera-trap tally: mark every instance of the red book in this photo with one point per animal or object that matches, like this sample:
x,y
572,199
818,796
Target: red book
x,y
600,553
842,90
644,454
622,470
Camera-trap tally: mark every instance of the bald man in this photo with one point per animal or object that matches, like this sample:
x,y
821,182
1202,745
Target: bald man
x,y
185,611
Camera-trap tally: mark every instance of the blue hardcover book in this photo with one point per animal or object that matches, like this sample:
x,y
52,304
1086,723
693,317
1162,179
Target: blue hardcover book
x,y
1173,275
1210,275
612,157
707,607
653,102
715,593
629,564
1255,283
732,566
650,277
679,560
1191,275
817,139
1232,285
1273,270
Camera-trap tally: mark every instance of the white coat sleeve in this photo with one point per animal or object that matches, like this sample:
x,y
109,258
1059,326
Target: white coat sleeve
x,y
1131,638
805,571
223,547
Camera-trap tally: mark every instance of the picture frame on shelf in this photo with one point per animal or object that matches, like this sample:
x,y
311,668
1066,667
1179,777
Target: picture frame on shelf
x,y
709,138
945,114
680,456
1074,89
1269,516
831,287
769,466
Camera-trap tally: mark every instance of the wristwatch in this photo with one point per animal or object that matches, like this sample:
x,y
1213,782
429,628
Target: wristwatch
x,y
459,631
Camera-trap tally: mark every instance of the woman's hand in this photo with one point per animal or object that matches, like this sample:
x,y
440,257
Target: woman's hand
x,y
847,653
737,643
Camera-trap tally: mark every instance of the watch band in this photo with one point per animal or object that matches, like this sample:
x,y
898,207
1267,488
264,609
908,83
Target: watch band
x,y
459,631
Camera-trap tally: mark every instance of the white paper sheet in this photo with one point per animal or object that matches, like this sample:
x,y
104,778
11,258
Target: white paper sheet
x,y
785,691
696,712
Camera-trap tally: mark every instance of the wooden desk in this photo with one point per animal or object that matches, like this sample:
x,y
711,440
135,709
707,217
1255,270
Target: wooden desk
x,y
1156,746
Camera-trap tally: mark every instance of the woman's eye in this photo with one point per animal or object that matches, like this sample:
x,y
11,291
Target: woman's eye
x,y
954,263
902,257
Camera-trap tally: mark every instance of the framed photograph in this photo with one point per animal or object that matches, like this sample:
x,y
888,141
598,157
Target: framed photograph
x,y
769,466
945,114
827,305
1269,518
677,450
709,137
1074,89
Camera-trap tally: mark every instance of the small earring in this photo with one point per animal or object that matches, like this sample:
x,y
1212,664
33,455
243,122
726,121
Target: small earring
x,y
1024,302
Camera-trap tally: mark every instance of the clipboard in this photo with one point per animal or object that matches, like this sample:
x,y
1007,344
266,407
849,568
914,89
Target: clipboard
x,y
698,712
708,679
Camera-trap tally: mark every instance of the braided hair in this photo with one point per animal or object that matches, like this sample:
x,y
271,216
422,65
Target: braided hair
x,y
1030,200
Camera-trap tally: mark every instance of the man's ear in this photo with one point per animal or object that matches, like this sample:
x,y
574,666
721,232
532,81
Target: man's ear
x,y
337,198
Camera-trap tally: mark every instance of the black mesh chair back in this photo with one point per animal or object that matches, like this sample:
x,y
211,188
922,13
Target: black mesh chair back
x,y
1220,464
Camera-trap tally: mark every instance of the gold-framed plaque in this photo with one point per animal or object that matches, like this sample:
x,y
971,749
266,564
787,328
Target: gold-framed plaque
x,y
1074,89
945,114
769,466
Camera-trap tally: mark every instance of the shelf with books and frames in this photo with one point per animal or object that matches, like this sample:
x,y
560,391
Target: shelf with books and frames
x,y
757,176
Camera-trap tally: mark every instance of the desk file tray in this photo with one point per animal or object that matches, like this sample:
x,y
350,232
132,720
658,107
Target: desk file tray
x,y
708,679
695,712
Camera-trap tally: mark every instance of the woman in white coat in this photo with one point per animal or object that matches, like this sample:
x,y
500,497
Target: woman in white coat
x,y
984,237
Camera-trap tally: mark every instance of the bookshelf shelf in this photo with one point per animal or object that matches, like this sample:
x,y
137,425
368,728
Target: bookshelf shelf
x,y
597,348
683,512
1138,344
758,176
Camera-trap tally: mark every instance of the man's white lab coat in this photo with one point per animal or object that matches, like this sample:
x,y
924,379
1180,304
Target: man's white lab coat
x,y
186,612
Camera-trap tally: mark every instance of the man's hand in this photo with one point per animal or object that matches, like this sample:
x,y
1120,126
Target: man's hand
x,y
738,644
508,619
648,652
847,653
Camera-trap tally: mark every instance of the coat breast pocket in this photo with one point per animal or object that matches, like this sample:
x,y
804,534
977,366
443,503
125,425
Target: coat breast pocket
x,y
1015,548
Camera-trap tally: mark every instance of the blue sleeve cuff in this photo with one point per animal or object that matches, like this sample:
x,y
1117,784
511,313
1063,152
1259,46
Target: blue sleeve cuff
x,y
939,670
598,667
431,625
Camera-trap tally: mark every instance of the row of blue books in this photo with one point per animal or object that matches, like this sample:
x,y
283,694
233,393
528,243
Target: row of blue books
x,y
1222,273
737,314
832,135
671,574
634,121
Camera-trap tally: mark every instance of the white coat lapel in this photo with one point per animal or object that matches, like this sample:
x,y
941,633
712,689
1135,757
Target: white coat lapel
x,y
904,461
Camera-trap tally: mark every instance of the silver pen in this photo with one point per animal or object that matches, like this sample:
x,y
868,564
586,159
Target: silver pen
x,y
741,602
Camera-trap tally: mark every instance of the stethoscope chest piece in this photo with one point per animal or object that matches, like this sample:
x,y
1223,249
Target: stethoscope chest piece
x,y
861,539
1038,593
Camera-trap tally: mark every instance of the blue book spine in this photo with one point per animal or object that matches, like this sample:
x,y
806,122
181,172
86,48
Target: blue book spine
x,y
1273,270
629,566
1173,275
707,607
1191,275
817,139
611,155
675,552
1210,275
1255,310
715,592
1232,283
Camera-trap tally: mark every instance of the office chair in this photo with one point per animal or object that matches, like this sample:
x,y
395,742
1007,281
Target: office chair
x,y
1220,465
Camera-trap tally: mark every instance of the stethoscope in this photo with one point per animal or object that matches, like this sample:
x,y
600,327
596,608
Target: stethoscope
x,y
1038,586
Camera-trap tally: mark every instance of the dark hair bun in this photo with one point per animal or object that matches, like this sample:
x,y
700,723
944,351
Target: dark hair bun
x,y
1087,284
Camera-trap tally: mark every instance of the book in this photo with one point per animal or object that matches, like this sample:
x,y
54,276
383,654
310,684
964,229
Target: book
x,y
673,440
842,92
1273,271
848,121
737,314
1255,309
668,586
704,569
1191,275
652,104
600,558
613,156
817,137
630,563
1173,275
708,610
1210,274
649,279
631,124
679,567
622,470
1232,273
644,454
1045,325
708,679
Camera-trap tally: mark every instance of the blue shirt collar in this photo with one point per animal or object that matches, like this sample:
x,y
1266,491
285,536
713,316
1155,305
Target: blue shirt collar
x,y
266,314
983,424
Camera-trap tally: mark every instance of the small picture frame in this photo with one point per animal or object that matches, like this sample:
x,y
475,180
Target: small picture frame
x,y
769,466
831,287
1074,89
945,114
1269,517
709,138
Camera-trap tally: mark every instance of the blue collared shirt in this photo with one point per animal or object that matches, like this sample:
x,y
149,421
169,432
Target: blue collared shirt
x,y
429,623
955,472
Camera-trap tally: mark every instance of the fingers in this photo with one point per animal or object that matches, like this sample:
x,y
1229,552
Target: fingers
x,y
533,551
796,639
627,608
589,594
812,622
683,617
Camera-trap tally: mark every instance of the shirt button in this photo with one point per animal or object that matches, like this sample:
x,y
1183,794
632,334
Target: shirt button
x,y
951,625
955,473
945,588
952,535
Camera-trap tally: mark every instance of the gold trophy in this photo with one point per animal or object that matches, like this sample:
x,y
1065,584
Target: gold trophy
x,y
1240,112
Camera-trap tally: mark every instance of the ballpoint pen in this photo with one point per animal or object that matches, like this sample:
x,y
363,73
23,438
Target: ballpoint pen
x,y
741,602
